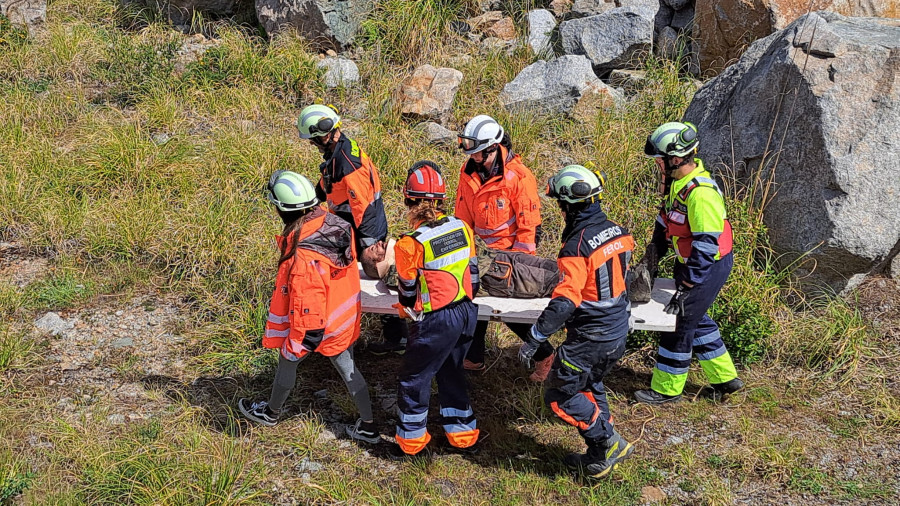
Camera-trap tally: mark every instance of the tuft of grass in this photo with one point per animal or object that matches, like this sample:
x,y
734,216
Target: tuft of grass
x,y
15,476
410,30
60,290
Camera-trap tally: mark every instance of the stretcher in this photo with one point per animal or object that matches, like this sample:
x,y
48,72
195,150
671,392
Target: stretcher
x,y
376,297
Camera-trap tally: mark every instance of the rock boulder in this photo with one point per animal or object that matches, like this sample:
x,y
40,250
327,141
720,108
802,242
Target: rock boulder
x,y
28,13
540,26
325,23
610,40
428,94
830,86
339,72
554,87
724,28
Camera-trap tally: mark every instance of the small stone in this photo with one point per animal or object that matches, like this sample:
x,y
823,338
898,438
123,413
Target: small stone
x,y
460,60
53,324
561,7
540,26
159,138
321,394
436,134
331,52
116,419
307,465
505,29
652,495
123,342
480,23
120,312
674,440
339,72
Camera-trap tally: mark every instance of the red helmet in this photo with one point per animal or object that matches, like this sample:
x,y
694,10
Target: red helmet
x,y
424,181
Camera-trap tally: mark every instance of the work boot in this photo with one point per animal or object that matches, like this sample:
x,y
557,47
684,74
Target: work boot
x,y
385,347
717,391
655,398
542,369
603,455
364,431
258,412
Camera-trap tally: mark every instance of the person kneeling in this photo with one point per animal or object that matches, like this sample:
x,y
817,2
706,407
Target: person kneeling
x,y
315,306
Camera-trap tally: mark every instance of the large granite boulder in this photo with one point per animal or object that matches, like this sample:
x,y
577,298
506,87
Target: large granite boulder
x,y
555,87
339,72
815,108
724,28
325,23
610,40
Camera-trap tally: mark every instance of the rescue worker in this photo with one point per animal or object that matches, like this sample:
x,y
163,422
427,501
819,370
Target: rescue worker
x,y
350,184
437,274
693,222
315,306
498,198
592,303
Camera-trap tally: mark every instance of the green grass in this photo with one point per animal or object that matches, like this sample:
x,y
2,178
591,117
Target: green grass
x,y
86,182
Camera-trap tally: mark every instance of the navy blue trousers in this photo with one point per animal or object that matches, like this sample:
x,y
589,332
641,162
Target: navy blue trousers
x,y
575,390
436,348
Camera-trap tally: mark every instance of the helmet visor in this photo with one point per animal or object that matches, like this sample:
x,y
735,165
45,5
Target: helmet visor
x,y
651,150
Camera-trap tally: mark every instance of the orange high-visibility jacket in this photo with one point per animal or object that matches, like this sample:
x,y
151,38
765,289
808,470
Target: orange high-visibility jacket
x,y
505,211
316,304
352,188
446,277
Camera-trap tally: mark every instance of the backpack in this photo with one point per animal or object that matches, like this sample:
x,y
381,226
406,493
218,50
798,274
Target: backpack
x,y
516,275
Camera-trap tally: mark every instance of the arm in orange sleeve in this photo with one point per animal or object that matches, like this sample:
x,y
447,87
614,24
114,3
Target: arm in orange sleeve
x,y
308,295
566,296
463,200
408,257
528,213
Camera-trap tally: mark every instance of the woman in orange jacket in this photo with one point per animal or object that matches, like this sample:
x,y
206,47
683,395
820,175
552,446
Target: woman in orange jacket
x,y
498,198
315,306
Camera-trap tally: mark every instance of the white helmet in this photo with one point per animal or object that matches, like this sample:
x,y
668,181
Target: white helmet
x,y
480,133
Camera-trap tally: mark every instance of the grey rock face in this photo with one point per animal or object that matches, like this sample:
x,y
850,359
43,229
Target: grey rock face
x,y
339,72
553,87
610,40
325,23
540,25
28,13
831,87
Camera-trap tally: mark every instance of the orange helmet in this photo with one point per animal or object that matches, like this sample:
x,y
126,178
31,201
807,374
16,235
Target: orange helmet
x,y
424,181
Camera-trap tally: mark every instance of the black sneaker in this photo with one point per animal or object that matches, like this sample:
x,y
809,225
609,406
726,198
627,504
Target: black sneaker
x,y
718,391
258,412
364,431
654,397
385,347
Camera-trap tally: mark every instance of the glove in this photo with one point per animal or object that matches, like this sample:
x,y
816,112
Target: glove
x,y
676,304
401,310
533,341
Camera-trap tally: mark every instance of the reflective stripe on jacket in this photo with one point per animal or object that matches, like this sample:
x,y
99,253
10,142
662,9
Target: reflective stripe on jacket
x,y
505,211
695,220
436,266
317,289
352,188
